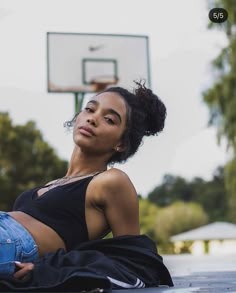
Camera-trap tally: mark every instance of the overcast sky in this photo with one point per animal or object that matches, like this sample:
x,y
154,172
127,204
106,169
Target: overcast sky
x,y
181,50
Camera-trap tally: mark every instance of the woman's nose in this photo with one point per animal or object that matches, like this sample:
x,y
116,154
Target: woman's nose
x,y
92,121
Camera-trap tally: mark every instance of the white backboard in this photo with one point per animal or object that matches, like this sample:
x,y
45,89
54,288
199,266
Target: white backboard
x,y
76,60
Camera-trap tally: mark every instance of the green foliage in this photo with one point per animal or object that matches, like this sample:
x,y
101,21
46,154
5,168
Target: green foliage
x,y
161,223
177,218
226,26
172,188
26,160
230,170
211,195
108,236
147,215
221,97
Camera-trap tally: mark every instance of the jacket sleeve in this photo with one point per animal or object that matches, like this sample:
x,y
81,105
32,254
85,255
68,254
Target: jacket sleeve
x,y
123,262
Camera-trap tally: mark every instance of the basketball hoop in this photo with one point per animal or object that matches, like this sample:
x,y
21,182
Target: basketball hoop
x,y
101,83
97,84
70,89
85,63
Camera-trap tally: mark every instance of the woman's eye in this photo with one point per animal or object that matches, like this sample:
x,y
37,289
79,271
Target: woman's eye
x,y
109,120
87,109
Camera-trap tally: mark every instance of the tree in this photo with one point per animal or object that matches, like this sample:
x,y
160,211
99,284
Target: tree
x,y
147,215
177,218
26,160
230,183
211,195
221,97
161,223
172,188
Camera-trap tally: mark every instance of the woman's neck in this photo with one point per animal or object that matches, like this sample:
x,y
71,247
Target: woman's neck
x,y
83,164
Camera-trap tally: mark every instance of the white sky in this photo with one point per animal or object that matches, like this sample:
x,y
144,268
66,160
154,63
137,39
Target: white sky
x,y
181,49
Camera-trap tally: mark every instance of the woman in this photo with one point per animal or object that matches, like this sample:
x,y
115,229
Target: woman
x,y
91,200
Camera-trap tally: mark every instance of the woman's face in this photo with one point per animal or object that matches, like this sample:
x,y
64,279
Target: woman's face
x,y
100,126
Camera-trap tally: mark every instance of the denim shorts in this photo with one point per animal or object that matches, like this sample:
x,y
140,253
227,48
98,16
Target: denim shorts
x,y
16,244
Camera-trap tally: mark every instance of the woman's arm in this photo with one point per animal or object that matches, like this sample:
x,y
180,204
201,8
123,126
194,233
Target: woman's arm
x,y
120,203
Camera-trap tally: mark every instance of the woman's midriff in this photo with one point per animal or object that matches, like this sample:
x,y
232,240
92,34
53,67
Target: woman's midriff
x,y
44,236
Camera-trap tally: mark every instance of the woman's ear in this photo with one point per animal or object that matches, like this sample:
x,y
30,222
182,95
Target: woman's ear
x,y
120,147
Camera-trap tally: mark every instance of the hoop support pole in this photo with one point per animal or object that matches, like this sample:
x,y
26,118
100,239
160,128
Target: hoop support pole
x,y
79,98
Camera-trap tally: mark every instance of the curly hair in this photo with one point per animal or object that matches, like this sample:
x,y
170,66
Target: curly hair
x,y
146,115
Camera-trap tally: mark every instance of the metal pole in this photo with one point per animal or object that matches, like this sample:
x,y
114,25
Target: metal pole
x,y
79,98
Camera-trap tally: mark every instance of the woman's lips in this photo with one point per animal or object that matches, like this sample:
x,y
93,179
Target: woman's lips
x,y
86,131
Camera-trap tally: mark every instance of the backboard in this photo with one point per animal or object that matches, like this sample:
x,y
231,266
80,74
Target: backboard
x,y
84,63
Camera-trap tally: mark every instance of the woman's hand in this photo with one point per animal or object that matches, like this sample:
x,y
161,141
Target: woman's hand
x,y
23,269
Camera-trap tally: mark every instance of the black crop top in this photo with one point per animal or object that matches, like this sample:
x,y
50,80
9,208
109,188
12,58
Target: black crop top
x,y
61,208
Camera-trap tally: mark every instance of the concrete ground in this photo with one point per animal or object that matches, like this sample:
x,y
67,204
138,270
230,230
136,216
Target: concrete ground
x,y
197,274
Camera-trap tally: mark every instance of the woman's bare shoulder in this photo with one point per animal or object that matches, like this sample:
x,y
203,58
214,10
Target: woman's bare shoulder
x,y
113,177
111,182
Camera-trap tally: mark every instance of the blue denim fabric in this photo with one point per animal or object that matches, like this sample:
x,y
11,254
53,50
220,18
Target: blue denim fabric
x,y
16,244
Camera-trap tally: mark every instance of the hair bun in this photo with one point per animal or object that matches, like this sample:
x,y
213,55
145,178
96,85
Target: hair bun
x,y
154,109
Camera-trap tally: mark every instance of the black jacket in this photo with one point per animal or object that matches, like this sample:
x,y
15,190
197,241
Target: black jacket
x,y
118,263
